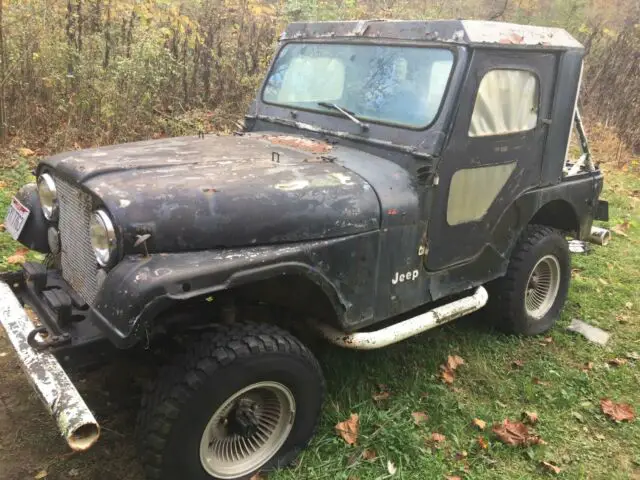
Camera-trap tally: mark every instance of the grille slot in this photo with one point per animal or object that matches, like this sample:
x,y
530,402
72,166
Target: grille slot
x,y
79,266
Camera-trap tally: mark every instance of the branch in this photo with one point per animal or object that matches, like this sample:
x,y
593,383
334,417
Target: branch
x,y
500,13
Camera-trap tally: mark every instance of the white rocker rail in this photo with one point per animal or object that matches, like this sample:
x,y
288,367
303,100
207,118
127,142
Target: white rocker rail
x,y
75,421
407,328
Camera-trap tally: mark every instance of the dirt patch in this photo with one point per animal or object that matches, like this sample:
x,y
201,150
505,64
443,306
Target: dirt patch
x,y
29,439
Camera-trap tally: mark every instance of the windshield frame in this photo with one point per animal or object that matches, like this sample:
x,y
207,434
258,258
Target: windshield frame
x,y
370,120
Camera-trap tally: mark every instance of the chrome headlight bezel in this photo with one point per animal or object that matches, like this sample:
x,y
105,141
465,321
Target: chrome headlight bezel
x,y
48,196
104,241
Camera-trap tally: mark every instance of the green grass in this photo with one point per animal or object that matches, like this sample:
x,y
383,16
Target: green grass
x,y
605,292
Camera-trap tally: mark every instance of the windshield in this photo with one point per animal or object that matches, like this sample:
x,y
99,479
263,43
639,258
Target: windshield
x,y
388,84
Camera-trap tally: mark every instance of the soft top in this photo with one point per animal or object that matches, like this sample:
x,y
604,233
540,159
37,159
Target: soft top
x,y
466,32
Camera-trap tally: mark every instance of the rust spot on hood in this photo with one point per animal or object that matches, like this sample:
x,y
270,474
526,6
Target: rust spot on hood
x,y
299,143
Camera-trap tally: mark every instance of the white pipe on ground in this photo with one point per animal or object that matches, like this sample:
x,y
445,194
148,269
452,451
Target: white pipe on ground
x,y
407,328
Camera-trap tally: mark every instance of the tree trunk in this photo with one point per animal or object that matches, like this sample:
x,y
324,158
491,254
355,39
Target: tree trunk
x,y
3,68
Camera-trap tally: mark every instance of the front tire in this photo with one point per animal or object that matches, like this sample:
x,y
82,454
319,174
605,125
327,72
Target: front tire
x,y
244,399
528,300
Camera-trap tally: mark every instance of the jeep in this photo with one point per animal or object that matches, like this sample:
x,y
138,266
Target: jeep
x,y
391,176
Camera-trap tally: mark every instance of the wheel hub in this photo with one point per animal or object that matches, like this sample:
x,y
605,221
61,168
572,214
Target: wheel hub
x,y
247,430
542,287
243,420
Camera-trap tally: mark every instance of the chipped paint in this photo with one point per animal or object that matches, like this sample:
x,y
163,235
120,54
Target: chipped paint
x,y
75,421
300,143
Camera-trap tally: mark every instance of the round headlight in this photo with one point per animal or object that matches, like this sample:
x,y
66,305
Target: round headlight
x,y
48,196
103,237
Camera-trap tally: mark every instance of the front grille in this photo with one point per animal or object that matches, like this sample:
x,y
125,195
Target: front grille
x,y
79,266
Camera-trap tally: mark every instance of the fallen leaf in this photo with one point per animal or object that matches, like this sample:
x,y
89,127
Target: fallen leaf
x,y
438,437
447,376
629,305
3,354
517,364
622,229
2,227
530,417
617,362
617,411
599,436
603,281
454,478
74,472
461,455
587,367
369,454
515,433
348,429
419,417
548,340
391,468
381,396
41,474
257,476
26,152
578,416
551,467
483,443
537,381
633,356
16,259
453,362
481,424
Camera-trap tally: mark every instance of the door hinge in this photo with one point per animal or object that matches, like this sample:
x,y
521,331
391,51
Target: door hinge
x,y
547,121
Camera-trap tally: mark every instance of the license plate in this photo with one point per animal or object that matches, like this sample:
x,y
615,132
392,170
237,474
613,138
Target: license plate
x,y
16,218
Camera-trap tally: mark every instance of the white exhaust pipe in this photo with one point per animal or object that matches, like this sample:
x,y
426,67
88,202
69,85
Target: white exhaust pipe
x,y
600,236
407,328
75,421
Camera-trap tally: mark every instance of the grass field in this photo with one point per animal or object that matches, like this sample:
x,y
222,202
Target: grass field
x,y
562,378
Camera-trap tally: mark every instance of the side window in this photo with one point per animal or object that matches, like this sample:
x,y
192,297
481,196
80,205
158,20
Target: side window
x,y
507,102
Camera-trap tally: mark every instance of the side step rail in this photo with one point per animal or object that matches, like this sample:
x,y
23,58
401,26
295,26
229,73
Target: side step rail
x,y
407,328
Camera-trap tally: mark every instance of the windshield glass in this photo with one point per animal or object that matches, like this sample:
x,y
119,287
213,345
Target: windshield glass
x,y
388,84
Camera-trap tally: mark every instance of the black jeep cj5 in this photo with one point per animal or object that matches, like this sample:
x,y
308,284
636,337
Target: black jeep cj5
x,y
399,172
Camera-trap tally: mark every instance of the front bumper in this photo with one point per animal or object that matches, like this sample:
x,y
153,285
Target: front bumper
x,y
75,421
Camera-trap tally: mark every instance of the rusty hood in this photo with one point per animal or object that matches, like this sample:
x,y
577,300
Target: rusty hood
x,y
223,191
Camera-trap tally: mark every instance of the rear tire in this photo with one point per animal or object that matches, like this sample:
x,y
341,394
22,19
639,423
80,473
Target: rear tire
x,y
244,399
529,299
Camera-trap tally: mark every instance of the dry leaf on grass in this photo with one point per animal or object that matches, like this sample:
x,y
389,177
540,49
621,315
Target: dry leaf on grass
x,y
26,152
454,478
449,368
530,418
515,433
381,396
622,229
257,476
438,437
617,362
348,429
537,381
587,367
481,424
619,412
40,475
482,442
419,417
1,227
603,281
369,454
391,468
550,467
16,259
517,364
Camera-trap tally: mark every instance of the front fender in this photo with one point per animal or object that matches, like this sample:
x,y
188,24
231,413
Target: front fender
x,y
139,288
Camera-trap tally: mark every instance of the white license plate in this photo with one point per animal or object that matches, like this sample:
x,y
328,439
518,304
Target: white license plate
x,y
16,218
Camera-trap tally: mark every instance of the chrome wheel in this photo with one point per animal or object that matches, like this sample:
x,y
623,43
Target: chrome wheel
x,y
247,430
542,287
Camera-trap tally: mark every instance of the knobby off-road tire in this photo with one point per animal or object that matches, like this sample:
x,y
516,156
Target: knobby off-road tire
x,y
528,300
254,383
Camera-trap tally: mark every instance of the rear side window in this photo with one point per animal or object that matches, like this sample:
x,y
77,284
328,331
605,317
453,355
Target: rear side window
x,y
507,102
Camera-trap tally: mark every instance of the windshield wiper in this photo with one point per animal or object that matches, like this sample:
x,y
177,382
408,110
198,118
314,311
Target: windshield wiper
x,y
348,114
